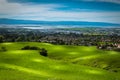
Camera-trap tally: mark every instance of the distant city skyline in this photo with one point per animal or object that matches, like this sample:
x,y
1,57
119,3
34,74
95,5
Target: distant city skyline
x,y
62,10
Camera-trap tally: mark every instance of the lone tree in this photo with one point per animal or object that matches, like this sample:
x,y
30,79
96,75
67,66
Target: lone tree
x,y
43,52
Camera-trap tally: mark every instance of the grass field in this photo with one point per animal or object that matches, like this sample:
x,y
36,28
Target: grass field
x,y
62,63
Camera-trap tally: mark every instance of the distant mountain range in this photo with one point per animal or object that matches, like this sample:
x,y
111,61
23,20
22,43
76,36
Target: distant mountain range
x,y
81,23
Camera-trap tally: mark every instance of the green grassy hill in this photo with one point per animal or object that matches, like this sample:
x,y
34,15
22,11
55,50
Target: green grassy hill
x,y
63,63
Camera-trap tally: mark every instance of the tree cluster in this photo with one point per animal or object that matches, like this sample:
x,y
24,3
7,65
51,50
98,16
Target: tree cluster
x,y
42,51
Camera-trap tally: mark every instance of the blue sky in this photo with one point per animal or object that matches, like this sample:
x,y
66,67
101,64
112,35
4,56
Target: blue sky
x,y
62,10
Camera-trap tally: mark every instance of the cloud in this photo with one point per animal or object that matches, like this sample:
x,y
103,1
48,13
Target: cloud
x,y
14,8
111,1
101,5
112,17
62,1
52,12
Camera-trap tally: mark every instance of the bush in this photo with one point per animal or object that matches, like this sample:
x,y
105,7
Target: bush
x,y
34,48
26,48
3,49
43,52
30,48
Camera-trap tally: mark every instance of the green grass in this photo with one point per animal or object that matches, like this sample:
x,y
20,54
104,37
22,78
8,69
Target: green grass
x,y
63,63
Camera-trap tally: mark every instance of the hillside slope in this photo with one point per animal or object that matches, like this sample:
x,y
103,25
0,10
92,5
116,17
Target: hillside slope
x,y
63,63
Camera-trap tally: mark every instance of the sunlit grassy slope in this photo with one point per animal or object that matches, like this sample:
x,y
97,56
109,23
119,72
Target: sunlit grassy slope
x,y
63,63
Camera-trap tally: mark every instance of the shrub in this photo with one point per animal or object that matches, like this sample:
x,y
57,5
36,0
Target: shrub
x,y
26,48
34,48
30,48
3,49
43,52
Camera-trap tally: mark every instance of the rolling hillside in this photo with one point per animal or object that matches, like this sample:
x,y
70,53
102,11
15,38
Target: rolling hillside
x,y
62,63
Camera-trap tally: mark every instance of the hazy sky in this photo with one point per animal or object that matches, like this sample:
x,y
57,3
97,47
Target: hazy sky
x,y
62,10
